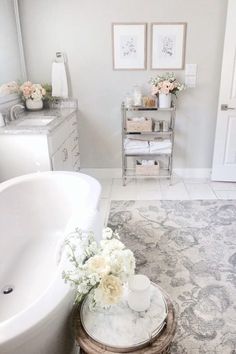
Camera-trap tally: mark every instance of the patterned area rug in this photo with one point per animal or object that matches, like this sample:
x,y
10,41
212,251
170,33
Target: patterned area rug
x,y
189,249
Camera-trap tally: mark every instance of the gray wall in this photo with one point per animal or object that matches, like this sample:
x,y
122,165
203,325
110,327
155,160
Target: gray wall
x,y
83,30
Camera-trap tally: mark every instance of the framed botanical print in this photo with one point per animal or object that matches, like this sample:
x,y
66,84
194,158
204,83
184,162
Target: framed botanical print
x,y
168,45
129,46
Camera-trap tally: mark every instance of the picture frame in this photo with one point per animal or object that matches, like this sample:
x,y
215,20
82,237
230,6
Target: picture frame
x,y
168,42
129,41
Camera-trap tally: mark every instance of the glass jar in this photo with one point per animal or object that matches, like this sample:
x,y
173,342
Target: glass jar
x,y
128,100
137,96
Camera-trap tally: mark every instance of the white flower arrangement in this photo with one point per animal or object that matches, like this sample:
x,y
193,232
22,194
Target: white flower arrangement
x,y
166,84
100,270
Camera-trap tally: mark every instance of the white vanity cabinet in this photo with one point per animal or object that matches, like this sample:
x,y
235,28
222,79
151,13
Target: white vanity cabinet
x,y
64,147
57,149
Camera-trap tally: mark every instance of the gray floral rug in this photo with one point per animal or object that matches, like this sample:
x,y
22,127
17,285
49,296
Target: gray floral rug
x,y
189,249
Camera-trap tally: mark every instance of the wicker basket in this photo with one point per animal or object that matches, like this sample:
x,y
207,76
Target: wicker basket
x,y
139,126
147,170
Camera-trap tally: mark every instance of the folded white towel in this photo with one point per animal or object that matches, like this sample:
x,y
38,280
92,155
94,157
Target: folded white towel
x,y
148,162
129,143
160,151
137,151
59,80
138,119
160,144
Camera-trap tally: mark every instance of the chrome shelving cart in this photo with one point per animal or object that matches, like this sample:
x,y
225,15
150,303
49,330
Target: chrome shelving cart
x,y
165,171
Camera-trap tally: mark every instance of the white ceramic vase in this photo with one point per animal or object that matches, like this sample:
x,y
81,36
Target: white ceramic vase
x,y
164,100
34,105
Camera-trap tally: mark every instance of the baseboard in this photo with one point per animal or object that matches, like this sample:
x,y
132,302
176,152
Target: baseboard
x,y
117,173
193,172
103,172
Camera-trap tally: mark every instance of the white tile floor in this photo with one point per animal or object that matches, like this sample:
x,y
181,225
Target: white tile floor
x,y
153,189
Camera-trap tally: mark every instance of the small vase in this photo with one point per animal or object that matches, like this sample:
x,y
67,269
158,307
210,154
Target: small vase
x,y
164,100
34,105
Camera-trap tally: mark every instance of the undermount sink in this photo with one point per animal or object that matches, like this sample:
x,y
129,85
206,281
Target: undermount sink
x,y
39,121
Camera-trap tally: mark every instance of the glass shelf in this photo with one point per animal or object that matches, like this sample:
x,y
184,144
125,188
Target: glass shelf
x,y
156,134
139,108
148,154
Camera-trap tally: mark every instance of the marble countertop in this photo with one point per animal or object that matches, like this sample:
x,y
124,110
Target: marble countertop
x,y
59,114
122,327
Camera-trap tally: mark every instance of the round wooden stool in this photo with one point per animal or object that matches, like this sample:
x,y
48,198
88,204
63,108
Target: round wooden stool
x,y
160,345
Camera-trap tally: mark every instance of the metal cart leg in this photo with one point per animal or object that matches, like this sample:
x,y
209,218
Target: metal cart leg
x,y
124,170
170,168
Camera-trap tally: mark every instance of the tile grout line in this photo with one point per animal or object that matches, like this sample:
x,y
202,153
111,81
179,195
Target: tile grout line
x,y
213,191
189,196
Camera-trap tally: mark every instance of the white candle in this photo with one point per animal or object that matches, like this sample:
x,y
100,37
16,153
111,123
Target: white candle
x,y
139,292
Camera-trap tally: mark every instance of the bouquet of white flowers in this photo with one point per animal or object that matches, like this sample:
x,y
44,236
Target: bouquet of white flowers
x,y
100,270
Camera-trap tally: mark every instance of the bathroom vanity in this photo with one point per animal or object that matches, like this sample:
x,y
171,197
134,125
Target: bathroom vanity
x,y
40,141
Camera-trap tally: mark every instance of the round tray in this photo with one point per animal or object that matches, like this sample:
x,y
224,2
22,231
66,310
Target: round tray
x,y
125,329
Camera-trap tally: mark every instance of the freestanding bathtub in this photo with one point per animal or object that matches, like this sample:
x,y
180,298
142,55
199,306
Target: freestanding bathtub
x,y
36,213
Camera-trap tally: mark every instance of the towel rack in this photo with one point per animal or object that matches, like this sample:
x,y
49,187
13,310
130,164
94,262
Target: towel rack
x,y
60,57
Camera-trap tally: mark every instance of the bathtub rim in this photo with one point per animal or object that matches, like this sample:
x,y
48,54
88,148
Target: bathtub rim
x,y
49,300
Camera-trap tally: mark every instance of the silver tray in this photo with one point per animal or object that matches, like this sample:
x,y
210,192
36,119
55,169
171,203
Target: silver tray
x,y
109,314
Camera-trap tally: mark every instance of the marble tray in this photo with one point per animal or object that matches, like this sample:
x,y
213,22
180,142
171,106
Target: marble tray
x,y
122,327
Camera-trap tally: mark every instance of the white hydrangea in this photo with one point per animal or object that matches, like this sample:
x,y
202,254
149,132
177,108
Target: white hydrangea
x,y
122,263
108,246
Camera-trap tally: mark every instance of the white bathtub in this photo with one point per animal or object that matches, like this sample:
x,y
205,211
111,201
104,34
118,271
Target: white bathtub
x,y
36,212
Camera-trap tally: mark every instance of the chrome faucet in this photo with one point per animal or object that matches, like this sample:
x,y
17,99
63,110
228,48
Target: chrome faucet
x,y
13,115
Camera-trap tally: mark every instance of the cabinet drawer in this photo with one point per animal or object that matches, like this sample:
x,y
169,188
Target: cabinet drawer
x,y
74,140
75,154
62,133
76,165
61,160
73,123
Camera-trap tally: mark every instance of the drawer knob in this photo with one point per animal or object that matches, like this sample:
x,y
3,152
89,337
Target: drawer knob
x,y
65,154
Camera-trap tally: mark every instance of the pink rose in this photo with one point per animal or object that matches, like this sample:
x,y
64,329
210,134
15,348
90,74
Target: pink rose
x,y
27,91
